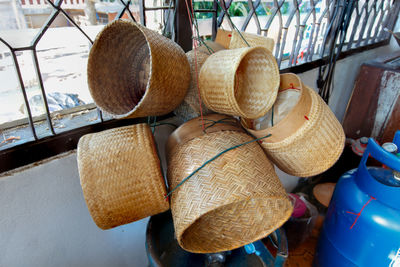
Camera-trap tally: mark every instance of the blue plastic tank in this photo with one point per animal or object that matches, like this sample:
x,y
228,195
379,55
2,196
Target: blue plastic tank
x,y
362,225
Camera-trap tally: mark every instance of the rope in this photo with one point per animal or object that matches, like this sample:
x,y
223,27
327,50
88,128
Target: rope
x,y
153,130
195,23
155,124
337,30
231,23
168,19
211,123
212,159
163,123
198,38
272,115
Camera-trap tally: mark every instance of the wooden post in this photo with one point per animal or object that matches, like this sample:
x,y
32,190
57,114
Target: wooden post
x,y
182,25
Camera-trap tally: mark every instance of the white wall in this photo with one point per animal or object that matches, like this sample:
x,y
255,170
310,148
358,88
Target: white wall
x,y
45,222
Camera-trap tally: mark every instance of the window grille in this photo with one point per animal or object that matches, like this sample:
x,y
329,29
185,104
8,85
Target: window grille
x,y
299,28
29,52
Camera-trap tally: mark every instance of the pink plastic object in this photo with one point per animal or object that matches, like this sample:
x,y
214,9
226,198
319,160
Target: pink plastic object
x,y
299,229
299,207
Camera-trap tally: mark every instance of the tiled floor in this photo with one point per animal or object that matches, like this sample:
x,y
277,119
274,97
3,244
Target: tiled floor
x,y
303,255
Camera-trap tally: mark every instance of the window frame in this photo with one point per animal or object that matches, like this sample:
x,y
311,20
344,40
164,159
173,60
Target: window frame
x,y
57,143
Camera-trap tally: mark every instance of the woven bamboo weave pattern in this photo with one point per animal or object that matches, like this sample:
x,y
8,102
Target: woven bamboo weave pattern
x,y
136,72
241,82
312,148
120,175
190,107
233,201
252,39
223,38
210,47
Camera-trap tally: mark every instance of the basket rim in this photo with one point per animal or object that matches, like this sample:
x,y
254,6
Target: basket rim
x,y
182,134
290,76
252,36
305,94
231,90
112,26
307,125
307,130
282,87
286,215
221,32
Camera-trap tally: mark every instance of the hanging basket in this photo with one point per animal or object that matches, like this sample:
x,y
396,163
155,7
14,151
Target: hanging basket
x,y
136,72
234,200
210,47
190,107
223,38
252,40
240,82
121,176
309,140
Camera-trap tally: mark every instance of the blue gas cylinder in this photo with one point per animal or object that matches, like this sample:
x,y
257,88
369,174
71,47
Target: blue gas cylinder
x,y
362,225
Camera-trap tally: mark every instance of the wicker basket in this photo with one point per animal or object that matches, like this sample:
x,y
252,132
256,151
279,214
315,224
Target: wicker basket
x,y
121,176
190,107
309,140
252,39
240,82
211,47
234,200
223,37
136,72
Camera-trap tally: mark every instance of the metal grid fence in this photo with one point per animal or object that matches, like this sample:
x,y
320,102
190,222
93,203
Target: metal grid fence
x,y
58,8
289,22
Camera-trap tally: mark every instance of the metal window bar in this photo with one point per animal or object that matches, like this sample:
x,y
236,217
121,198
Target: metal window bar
x,y
56,10
317,27
380,20
369,18
252,14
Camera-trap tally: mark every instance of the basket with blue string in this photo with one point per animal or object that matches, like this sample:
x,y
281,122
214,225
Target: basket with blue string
x,y
224,191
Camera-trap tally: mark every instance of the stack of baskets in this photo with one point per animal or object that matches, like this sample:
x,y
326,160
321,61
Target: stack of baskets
x,y
223,187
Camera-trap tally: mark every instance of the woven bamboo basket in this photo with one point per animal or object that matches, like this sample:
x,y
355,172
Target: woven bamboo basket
x,y
136,72
309,140
210,47
223,37
121,176
251,39
190,107
240,82
234,200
